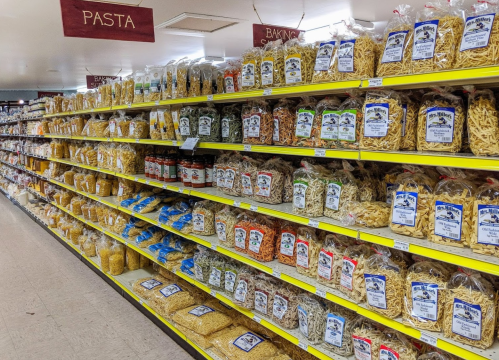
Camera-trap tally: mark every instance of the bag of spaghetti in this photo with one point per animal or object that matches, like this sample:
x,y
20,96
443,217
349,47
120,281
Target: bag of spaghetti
x,y
232,176
352,272
351,120
451,211
269,182
299,60
366,338
485,236
355,53
305,113
382,123
284,122
440,121
482,121
398,42
410,207
437,34
326,59
470,309
326,123
272,64
395,345
409,121
331,260
308,194
249,169
307,252
425,292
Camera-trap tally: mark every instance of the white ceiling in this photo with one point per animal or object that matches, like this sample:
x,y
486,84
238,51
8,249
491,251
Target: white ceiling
x,y
32,41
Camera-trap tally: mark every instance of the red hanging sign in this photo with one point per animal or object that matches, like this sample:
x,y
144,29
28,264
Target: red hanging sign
x,y
262,34
94,81
89,19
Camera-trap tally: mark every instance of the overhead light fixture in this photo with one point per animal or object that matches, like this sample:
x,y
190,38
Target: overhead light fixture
x,y
198,25
21,102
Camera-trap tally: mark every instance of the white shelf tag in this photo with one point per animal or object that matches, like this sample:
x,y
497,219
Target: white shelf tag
x,y
320,152
129,106
276,273
320,293
147,182
429,339
133,213
401,245
156,102
209,97
313,223
137,140
247,147
174,142
213,247
164,186
136,179
254,208
257,319
213,293
267,92
375,82
181,191
303,346
141,302
237,204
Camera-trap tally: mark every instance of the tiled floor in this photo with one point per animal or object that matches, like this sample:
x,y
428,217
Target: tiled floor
x,y
53,307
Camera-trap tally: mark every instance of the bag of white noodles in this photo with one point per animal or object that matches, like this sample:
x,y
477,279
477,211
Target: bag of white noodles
x,y
367,185
307,252
436,355
232,176
366,338
394,345
411,203
451,209
311,317
352,281
470,309
440,121
341,188
269,182
327,58
425,291
225,222
485,235
370,214
308,191
482,121
285,306
384,286
339,327
331,260
398,40
409,121
248,170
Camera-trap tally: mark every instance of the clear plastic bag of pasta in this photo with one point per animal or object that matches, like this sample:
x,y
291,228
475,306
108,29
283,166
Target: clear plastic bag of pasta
x,y
139,127
231,124
219,170
326,59
272,64
409,121
485,235
154,125
216,280
308,193
242,231
225,222
437,34
331,261
312,318
451,212
194,75
352,281
261,241
394,344
382,123
203,218
339,328
179,88
138,87
244,293
249,171
206,69
120,126
269,183
411,202
265,288
284,122
304,119
326,123
232,76
440,121
165,122
308,247
370,214
351,120
299,61
208,124
286,243
232,176
202,260
251,65
126,158
166,93
367,185
188,122
288,169
260,124
395,58
470,309
341,189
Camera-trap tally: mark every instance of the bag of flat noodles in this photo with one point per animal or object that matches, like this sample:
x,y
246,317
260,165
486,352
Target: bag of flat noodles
x,y
341,188
409,121
485,235
367,185
339,327
397,41
440,121
370,214
366,338
326,59
436,355
482,121
451,209
394,345
470,309
352,272
326,123
307,252
480,39
437,33
308,193
331,260
202,319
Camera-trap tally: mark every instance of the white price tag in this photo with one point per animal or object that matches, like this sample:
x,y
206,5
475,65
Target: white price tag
x,y
237,204
136,179
253,208
375,82
303,346
174,270
141,302
257,319
313,223
401,245
108,139
247,147
129,106
133,213
147,182
213,293
209,97
429,339
276,273
164,186
180,191
156,102
174,142
213,247
267,92
189,144
137,140
320,152
320,293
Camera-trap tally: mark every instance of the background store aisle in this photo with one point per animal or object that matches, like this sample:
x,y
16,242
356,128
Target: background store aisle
x,y
53,306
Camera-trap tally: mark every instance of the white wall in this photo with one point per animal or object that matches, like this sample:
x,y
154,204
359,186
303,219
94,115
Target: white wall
x,y
15,95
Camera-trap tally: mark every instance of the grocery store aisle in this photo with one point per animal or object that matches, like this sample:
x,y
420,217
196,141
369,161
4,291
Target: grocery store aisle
x,y
53,307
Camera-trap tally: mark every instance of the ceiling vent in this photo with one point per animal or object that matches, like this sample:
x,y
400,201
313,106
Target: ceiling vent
x,y
196,24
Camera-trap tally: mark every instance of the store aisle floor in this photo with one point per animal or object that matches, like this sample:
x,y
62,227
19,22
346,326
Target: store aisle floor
x,y
53,307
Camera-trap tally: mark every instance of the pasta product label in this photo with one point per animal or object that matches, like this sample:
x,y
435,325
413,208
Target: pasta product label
x,y
208,174
261,299
254,125
362,347
280,305
334,330
345,55
247,341
112,126
390,189
249,73
198,272
325,264
147,84
292,68
138,85
221,230
230,175
246,125
333,194
346,128
394,47
229,84
376,290
201,310
215,277
155,82
404,118
467,319
448,220
151,284
405,206
184,127
205,125
255,240
329,126
263,183
324,54
230,280
198,175
425,34
225,127
299,189
198,221
304,123
288,239
246,184
240,237
302,253
220,177
440,124
241,291
476,32
424,300
488,224
275,135
347,270
267,71
170,290
376,119
303,320
385,353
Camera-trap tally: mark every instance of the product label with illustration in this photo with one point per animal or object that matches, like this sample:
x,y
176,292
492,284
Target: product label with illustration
x,y
247,189
476,32
155,78
151,284
488,224
304,123
255,240
288,239
246,125
425,34
198,221
267,71
248,74
170,290
362,348
241,290
346,127
240,237
183,126
324,54
198,272
225,127
254,125
230,280
303,321
221,230
229,176
201,310
334,330
247,341
345,55
376,119
329,126
333,193
261,301
280,305
205,125
215,277
394,47
292,68
263,183
302,253
229,84
405,206
448,220
424,300
440,124
347,270
467,319
275,135
299,190
385,353
376,290
325,264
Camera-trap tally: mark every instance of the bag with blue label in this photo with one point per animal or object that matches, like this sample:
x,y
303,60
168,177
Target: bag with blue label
x,y
183,224
170,254
327,58
312,318
470,309
339,328
451,212
151,236
147,205
485,236
396,346
366,339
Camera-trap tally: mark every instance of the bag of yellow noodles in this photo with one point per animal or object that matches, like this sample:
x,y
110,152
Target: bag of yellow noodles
x,y
366,337
341,188
352,272
394,345
326,121
397,41
411,203
470,309
326,59
250,73
485,236
451,209
299,59
351,119
480,39
272,64
409,121
437,33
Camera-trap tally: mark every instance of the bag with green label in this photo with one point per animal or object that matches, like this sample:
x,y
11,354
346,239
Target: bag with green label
x,y
308,191
351,118
305,113
341,188
326,122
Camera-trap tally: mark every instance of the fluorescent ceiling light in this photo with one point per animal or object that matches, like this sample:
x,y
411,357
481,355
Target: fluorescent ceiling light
x,y
198,25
